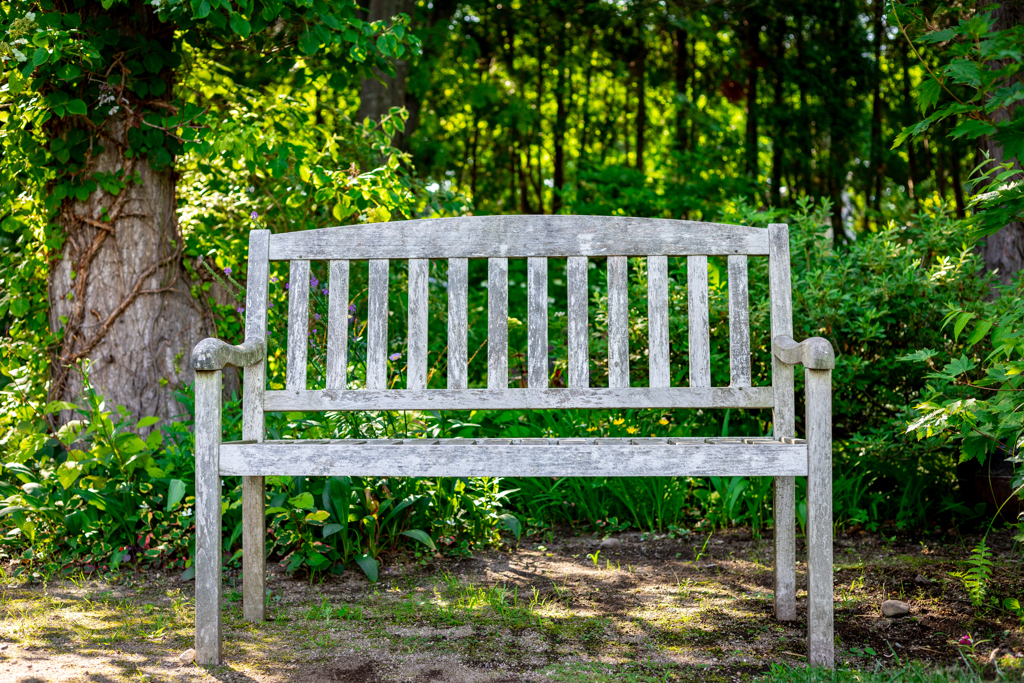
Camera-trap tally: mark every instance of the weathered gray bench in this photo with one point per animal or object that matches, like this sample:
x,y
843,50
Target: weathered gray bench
x,y
497,239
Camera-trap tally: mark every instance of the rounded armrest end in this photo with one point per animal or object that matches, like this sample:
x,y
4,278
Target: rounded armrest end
x,y
815,353
213,354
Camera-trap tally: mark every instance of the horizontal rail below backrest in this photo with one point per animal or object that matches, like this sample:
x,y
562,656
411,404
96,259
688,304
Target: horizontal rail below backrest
x,y
519,237
520,399
410,459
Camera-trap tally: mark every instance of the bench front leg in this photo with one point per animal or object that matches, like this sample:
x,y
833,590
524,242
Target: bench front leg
x,y
208,517
820,635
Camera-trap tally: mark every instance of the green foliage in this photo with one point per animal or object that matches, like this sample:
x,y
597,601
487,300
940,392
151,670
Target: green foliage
x,y
978,573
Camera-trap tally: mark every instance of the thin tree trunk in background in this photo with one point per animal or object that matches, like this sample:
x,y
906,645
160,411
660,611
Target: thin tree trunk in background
x,y
682,73
586,101
119,291
807,154
560,117
908,117
957,182
380,92
1003,252
779,138
753,37
640,78
940,172
872,192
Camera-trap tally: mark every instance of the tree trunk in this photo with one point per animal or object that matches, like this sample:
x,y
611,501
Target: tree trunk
x,y
779,107
1003,252
753,36
682,68
872,195
561,115
119,290
640,74
377,95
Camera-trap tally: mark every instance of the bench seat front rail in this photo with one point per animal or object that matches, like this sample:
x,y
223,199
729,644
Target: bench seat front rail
x,y
536,239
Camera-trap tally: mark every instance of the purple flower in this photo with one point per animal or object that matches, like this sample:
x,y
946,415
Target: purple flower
x,y
286,285
394,356
314,330
351,319
227,271
254,215
273,278
313,282
965,639
316,316
352,308
270,305
324,290
240,311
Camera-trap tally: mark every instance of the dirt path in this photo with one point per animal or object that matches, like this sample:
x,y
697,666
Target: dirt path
x,y
560,609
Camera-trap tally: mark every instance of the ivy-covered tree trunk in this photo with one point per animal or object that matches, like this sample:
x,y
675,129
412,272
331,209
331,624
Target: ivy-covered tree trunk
x,y
1003,252
118,290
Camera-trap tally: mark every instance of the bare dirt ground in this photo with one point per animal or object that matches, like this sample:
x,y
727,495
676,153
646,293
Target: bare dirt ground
x,y
651,609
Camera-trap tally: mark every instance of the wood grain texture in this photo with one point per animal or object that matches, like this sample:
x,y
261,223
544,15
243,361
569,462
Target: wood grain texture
x,y
815,353
497,323
618,322
525,399
337,325
577,276
254,552
458,322
522,460
537,322
698,320
739,323
820,635
298,325
215,354
208,517
783,424
657,321
519,237
419,315
377,325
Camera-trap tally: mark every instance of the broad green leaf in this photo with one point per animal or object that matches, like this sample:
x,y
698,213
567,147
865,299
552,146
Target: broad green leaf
x,y
147,422
421,536
979,332
960,323
369,566
318,516
239,25
67,473
303,501
331,529
175,493
57,406
511,522
309,43
959,366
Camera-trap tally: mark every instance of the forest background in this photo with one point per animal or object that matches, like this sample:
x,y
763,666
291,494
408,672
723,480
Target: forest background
x,y
142,140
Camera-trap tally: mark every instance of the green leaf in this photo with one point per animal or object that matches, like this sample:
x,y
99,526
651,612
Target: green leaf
x,y
148,422
175,494
937,36
189,574
19,306
16,82
965,72
318,516
979,332
68,473
303,501
421,536
960,323
928,94
959,366
972,128
57,406
369,566
309,43
76,107
203,10
40,56
239,25
511,522
331,529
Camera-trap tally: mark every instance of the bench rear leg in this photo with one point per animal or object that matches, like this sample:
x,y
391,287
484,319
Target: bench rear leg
x,y
208,517
785,548
820,638
254,556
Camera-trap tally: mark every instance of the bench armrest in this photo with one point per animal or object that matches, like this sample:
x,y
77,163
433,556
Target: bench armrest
x,y
214,354
815,353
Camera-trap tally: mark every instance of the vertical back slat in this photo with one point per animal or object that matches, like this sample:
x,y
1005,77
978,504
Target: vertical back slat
x,y
780,294
337,325
537,322
458,314
377,326
497,323
254,570
618,322
739,323
416,363
657,320
578,324
699,324
298,324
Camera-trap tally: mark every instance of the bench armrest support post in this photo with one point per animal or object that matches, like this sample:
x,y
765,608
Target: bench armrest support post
x,y
818,398
208,516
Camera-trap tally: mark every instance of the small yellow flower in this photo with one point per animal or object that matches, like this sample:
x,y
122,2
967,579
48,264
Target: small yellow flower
x,y
591,429
632,430
618,421
663,421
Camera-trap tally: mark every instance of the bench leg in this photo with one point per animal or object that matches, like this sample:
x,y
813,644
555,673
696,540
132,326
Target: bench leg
x,y
254,555
208,518
785,548
820,639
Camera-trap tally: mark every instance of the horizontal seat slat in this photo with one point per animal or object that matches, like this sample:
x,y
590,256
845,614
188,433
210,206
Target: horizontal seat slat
x,y
449,459
523,399
520,237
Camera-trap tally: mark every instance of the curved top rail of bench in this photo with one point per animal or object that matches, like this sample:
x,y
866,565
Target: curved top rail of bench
x,y
519,237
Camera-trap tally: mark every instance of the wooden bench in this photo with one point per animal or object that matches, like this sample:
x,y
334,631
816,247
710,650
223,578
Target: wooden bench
x,y
536,238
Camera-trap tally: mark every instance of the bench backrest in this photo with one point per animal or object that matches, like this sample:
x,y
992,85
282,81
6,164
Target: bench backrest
x,y
536,238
